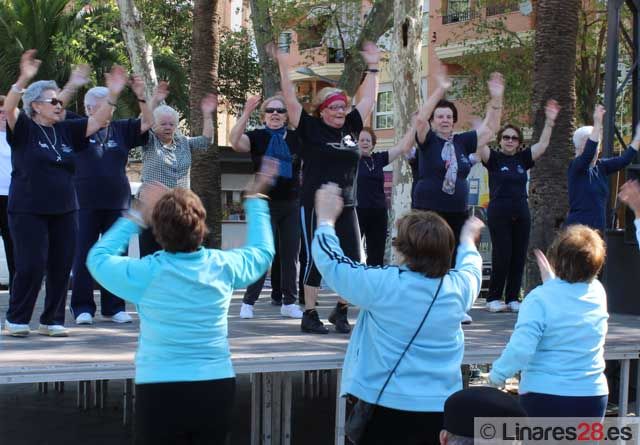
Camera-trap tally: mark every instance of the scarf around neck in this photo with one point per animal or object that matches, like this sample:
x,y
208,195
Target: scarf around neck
x,y
279,149
451,164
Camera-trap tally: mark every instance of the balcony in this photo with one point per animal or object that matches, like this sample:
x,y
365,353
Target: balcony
x,y
460,16
503,7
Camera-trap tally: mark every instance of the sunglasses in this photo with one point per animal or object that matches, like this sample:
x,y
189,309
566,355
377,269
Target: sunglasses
x,y
506,137
53,101
275,110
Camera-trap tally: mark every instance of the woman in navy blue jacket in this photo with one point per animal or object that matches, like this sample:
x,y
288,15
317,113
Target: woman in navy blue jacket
x,y
508,213
588,176
42,198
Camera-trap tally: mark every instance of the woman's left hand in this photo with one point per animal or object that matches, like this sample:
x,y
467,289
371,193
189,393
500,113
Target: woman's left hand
x,y
496,85
79,76
137,86
546,271
116,79
150,194
370,54
551,110
209,104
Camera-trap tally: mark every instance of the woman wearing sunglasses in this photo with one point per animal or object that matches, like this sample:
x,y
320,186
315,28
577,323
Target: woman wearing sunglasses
x,y
330,154
276,141
508,213
42,198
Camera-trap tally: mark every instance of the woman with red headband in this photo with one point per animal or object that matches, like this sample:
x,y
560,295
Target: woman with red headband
x,y
329,154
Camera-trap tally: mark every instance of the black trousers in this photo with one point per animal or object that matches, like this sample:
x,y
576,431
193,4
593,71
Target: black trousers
x,y
285,223
348,234
91,224
455,220
195,413
509,240
43,243
395,427
276,289
373,227
6,237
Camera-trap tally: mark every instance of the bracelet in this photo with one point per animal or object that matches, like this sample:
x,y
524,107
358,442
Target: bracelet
x,y
142,101
496,108
372,70
136,216
16,89
325,222
111,103
256,195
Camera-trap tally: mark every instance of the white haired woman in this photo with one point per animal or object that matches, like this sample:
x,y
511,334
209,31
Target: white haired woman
x,y
330,154
42,198
103,193
166,158
588,175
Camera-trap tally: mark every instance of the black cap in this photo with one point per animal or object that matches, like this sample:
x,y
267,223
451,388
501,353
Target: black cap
x,y
479,401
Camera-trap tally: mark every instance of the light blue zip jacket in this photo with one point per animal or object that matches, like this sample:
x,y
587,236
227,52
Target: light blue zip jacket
x,y
558,341
393,301
183,298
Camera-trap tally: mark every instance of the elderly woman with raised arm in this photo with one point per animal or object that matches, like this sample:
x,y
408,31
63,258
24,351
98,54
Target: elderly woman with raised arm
x,y
103,193
509,219
166,158
42,196
278,141
630,195
330,154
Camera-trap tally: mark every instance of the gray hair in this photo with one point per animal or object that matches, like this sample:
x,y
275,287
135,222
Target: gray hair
x,y
166,110
34,92
94,95
580,135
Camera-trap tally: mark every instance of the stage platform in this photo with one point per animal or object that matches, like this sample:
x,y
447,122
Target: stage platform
x,y
268,347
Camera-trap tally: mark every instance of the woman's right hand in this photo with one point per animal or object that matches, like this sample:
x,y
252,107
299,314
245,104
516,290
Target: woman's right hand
x,y
471,230
29,65
546,271
265,178
251,104
150,194
116,80
598,115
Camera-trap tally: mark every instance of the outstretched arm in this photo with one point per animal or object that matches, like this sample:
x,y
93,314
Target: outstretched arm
x,y
404,145
79,77
551,113
371,55
208,106
491,123
116,81
424,113
294,109
29,66
239,141
137,86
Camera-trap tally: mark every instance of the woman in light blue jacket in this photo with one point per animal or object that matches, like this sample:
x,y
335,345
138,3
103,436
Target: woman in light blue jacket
x,y
558,341
393,301
182,295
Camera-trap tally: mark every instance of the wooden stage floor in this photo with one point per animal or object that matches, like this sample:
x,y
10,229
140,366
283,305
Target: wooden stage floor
x,y
267,343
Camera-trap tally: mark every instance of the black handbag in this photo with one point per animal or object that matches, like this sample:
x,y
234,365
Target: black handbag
x,y
362,411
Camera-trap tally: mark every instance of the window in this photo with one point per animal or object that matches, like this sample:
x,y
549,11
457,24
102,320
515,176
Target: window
x,y
232,209
425,22
384,110
284,42
458,11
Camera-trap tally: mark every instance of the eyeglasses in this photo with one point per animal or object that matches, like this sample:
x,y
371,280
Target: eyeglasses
x,y
337,107
275,110
52,101
506,137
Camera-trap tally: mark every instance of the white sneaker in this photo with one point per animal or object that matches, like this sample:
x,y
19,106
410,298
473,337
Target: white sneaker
x,y
246,311
53,330
496,306
514,306
466,319
84,318
16,329
291,311
121,317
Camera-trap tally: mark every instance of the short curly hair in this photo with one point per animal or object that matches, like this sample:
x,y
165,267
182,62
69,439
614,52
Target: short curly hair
x,y
577,254
426,243
178,221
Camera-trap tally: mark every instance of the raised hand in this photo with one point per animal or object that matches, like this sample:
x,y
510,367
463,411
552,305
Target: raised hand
x,y
251,104
630,195
116,79
546,271
443,80
161,92
136,83
551,110
598,115
150,194
29,65
209,104
471,230
266,177
329,203
79,76
371,54
496,85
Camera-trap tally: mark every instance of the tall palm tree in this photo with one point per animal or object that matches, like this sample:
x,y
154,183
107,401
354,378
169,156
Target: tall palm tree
x,y
205,55
554,77
27,24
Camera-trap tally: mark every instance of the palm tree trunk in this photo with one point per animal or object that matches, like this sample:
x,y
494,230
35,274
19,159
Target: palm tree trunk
x,y
554,77
205,54
264,33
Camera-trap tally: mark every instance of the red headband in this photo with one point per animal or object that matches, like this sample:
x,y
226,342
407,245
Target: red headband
x,y
331,99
